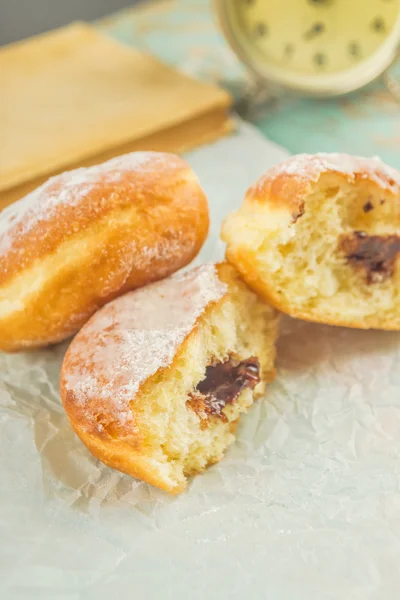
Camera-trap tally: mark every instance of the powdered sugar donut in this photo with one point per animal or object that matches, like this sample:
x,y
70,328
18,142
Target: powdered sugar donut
x,y
318,236
154,383
88,235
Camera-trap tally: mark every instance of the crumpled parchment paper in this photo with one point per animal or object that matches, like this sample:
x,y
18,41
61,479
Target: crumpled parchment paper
x,y
305,506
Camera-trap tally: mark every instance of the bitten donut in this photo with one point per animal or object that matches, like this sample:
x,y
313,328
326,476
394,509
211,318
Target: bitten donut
x,y
89,235
155,382
319,238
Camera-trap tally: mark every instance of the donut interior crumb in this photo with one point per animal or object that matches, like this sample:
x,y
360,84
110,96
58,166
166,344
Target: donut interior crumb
x,y
310,265
183,441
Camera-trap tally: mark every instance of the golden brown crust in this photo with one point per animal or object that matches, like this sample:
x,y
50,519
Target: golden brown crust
x,y
287,184
166,183
87,236
119,454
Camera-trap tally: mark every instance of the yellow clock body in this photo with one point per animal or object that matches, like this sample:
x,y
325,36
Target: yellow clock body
x,y
317,47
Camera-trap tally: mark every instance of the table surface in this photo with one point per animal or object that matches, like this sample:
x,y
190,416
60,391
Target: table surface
x,y
184,33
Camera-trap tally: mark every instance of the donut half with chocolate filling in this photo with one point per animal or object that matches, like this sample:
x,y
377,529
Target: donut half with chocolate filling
x,y
318,237
155,382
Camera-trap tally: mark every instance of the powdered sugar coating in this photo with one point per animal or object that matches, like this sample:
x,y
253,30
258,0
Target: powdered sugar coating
x,y
70,188
130,339
309,167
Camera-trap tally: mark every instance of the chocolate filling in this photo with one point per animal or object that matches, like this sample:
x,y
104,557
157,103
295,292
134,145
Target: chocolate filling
x,y
374,254
222,385
368,206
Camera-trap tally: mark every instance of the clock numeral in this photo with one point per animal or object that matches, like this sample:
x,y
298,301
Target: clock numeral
x,y
320,59
288,50
261,29
378,25
314,31
354,49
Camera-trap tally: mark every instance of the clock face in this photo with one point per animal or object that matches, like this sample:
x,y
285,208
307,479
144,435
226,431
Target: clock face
x,y
311,37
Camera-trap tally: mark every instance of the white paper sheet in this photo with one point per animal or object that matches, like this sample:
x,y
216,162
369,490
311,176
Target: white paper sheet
x,y
305,506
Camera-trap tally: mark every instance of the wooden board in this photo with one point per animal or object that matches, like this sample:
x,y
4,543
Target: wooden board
x,y
73,96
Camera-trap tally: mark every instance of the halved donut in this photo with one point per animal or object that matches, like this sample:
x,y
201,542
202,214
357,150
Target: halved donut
x,y
319,238
155,382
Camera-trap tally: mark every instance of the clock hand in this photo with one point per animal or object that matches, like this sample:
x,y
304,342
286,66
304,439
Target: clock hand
x,y
314,31
320,2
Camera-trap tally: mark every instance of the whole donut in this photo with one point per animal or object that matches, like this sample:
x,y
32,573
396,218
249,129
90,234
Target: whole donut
x,y
86,236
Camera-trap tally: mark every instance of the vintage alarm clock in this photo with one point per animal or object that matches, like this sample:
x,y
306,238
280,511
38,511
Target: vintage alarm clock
x,y
313,47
